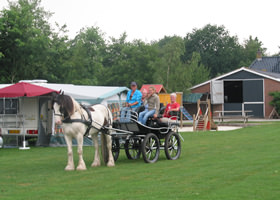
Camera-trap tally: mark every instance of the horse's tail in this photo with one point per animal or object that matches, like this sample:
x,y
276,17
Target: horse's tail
x,y
110,118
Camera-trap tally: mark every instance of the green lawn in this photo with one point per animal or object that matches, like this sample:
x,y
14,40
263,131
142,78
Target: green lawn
x,y
241,164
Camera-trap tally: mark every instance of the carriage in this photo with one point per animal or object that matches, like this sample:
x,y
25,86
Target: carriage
x,y
146,140
78,121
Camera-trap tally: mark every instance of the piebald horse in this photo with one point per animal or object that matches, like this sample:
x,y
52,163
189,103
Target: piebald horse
x,y
75,122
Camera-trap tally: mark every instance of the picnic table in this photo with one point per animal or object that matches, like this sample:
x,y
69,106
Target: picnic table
x,y
233,114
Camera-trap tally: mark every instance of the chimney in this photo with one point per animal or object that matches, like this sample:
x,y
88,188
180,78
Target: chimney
x,y
259,55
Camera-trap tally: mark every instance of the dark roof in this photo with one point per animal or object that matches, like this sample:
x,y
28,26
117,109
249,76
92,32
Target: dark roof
x,y
267,64
274,75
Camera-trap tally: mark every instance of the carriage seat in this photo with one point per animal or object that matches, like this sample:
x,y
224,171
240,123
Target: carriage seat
x,y
157,123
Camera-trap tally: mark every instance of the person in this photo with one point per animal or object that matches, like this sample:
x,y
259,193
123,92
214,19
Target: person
x,y
144,99
144,96
153,106
133,101
173,106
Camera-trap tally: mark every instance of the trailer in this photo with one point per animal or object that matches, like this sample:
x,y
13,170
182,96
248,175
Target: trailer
x,y
29,117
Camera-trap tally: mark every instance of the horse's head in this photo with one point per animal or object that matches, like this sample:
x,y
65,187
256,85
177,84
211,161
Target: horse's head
x,y
63,107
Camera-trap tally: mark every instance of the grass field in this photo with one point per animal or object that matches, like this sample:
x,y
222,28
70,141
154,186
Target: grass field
x,y
240,164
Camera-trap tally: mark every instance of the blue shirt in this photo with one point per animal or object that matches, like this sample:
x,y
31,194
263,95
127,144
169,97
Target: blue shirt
x,y
136,97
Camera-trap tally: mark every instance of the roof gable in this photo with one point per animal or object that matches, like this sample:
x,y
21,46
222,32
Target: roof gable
x,y
259,74
242,75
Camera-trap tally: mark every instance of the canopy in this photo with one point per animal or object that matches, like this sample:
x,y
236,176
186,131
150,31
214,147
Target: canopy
x,y
24,89
192,97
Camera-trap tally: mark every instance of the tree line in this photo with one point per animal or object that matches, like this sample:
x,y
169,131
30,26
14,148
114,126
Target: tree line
x,y
30,48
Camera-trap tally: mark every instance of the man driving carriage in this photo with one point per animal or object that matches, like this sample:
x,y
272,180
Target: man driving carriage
x,y
133,101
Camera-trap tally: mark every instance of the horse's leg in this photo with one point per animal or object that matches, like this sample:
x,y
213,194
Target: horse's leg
x,y
70,165
96,161
81,164
111,161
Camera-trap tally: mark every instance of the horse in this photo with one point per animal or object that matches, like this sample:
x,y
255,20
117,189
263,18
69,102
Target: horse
x,y
77,120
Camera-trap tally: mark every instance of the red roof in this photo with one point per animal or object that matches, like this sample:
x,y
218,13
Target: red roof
x,y
159,88
24,89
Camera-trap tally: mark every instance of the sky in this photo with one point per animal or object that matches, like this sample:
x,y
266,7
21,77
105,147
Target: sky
x,y
151,20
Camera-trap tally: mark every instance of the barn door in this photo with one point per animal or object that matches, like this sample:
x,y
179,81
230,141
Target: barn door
x,y
217,92
253,97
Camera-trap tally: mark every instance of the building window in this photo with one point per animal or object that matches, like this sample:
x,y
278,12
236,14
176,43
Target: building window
x,y
8,106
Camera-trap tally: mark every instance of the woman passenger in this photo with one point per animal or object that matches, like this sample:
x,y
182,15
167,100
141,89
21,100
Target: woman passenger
x,y
152,101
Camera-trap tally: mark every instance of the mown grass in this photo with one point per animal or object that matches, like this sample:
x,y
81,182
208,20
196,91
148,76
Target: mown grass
x,y
240,164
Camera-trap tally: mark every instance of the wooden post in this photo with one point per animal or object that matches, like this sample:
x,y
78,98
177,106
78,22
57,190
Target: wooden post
x,y
181,119
193,122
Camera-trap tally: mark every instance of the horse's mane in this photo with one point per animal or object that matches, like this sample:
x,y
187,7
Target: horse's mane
x,y
68,104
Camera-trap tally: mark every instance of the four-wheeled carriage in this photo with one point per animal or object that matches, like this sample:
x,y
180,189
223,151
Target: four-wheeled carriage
x,y
136,139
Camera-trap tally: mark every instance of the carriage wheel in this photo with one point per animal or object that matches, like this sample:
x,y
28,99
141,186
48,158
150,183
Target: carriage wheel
x,y
132,148
172,146
115,148
150,148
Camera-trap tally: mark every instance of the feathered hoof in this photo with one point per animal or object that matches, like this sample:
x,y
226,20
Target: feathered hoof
x,y
95,164
69,168
110,164
81,168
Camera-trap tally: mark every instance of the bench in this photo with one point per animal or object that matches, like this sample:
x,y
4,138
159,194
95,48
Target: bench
x,y
234,114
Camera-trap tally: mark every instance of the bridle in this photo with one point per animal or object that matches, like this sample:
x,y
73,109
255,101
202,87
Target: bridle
x,y
61,113
87,122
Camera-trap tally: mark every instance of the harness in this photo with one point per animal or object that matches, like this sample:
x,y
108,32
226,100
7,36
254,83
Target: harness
x,y
88,122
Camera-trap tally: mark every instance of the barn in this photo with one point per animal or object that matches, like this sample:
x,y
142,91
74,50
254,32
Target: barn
x,y
243,89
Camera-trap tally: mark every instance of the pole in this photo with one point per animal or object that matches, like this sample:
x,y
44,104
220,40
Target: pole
x,y
24,147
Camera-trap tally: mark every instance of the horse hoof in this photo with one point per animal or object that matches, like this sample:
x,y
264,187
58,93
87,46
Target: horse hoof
x,y
110,164
80,168
68,168
95,164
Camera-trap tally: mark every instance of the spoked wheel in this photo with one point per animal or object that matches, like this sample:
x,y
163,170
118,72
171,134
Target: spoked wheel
x,y
150,148
132,148
115,148
172,146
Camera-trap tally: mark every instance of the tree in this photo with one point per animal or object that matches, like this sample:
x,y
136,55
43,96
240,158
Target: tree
x,y
219,51
170,51
250,48
127,61
189,74
24,40
86,56
58,56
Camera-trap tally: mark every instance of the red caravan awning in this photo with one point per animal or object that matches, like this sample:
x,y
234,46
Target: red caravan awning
x,y
24,89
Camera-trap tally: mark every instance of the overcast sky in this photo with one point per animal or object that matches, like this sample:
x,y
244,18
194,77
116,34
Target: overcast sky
x,y
153,19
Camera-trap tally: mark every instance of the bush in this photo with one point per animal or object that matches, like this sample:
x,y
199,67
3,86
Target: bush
x,y
276,100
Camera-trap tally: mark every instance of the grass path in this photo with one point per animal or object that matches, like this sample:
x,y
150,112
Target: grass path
x,y
239,164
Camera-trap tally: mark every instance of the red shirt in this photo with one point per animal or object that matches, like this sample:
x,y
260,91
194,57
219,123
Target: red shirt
x,y
170,107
